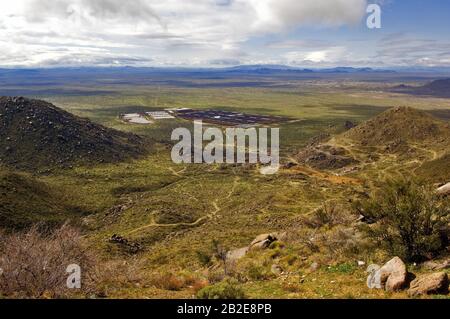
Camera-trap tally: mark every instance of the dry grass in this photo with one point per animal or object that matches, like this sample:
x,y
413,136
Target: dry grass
x,y
331,214
177,282
34,264
168,282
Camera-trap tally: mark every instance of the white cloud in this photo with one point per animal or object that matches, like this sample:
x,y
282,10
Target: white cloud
x,y
404,49
282,14
170,31
316,56
325,56
174,32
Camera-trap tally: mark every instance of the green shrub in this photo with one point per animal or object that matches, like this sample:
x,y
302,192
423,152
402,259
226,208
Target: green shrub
x,y
215,276
275,253
277,245
258,272
409,220
205,259
330,214
228,289
289,259
347,268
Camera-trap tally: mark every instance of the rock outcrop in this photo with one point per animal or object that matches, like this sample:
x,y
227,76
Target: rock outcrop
x,y
444,190
374,278
392,276
276,270
325,157
263,241
436,265
236,254
260,242
429,285
130,247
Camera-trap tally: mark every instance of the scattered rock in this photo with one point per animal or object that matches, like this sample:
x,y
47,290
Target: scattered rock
x,y
117,210
429,285
348,170
374,278
237,254
437,265
117,239
349,125
361,263
314,267
392,276
276,270
444,190
131,247
325,157
260,242
263,241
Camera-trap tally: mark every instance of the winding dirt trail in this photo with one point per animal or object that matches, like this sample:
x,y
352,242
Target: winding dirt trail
x,y
209,216
179,173
197,222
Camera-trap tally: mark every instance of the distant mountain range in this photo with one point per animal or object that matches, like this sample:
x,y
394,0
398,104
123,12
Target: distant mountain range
x,y
257,68
262,68
251,68
437,88
55,81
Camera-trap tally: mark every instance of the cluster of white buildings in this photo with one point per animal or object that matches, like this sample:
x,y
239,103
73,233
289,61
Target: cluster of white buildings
x,y
135,118
144,118
160,115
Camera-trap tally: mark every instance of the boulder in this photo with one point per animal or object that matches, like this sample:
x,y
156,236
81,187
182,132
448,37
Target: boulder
x,y
314,267
131,247
436,283
437,265
276,270
444,190
360,263
263,241
260,242
237,254
392,276
349,125
374,278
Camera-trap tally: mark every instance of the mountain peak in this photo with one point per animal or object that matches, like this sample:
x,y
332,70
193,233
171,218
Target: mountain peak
x,y
400,125
36,134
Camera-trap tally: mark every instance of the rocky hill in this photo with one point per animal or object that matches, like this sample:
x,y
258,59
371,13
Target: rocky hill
x,y
324,157
35,134
398,127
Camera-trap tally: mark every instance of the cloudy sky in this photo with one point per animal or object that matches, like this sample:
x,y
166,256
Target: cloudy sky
x,y
214,33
